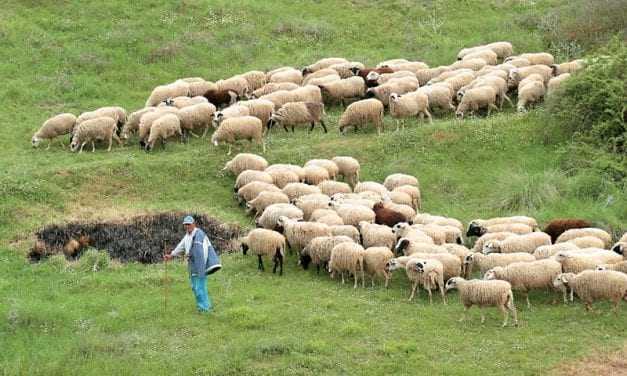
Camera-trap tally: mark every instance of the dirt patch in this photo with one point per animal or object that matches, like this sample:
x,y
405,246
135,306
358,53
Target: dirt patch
x,y
141,238
601,363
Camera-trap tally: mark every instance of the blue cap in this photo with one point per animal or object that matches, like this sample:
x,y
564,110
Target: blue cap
x,y
188,220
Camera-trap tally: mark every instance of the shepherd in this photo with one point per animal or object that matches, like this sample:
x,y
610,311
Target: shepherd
x,y
202,261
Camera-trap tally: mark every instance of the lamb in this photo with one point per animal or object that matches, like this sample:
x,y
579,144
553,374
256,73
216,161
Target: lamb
x,y
556,82
197,116
475,99
288,75
487,262
339,91
318,251
587,242
283,177
530,93
547,251
440,96
221,98
592,285
239,128
399,86
102,128
251,190
330,187
132,123
238,84
361,113
272,213
233,111
163,128
557,227
163,92
323,63
353,214
272,87
587,231
348,168
485,293
262,242
259,108
411,104
348,257
295,190
254,79
265,199
578,261
619,267
432,275
375,261
297,113
245,161
55,126
373,235
525,276
489,56
521,243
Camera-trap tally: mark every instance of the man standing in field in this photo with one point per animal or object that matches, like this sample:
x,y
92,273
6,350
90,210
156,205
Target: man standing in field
x,y
202,260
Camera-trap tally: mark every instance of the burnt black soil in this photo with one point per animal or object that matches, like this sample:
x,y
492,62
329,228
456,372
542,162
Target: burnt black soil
x,y
142,238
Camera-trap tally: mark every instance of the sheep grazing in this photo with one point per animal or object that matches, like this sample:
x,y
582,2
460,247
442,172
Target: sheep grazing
x,y
132,123
283,177
255,79
57,125
239,128
182,102
318,251
478,223
407,105
475,99
330,187
163,92
251,190
520,243
526,276
265,199
397,85
568,68
557,227
259,108
232,111
114,112
394,181
479,243
592,285
373,235
426,218
237,84
489,56
620,248
299,234
163,128
347,257
295,190
221,98
485,293
409,66
272,87
245,161
586,259
248,176
262,242
518,74
147,119
375,260
556,82
425,75
287,75
587,242
406,211
195,117
323,63
353,214
516,228
386,216
440,97
342,90
361,113
200,87
72,248
309,203
102,128
530,93
363,73
502,49
474,64
348,168
586,231
289,167
547,251
297,113
618,267
538,58
272,213
487,262
432,276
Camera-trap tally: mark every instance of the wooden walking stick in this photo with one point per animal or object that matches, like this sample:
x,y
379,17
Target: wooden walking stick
x,y
165,281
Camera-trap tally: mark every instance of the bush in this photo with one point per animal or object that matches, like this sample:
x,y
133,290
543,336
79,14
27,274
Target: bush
x,y
94,260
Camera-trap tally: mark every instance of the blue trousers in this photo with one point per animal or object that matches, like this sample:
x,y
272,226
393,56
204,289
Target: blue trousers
x,y
199,287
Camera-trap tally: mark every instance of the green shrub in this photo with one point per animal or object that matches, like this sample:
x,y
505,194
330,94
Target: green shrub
x,y
522,192
58,263
94,260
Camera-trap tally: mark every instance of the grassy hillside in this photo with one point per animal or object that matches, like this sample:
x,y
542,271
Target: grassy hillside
x,y
76,56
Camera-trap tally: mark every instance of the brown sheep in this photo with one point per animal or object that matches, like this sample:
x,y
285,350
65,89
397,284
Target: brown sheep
x,y
385,216
221,98
556,227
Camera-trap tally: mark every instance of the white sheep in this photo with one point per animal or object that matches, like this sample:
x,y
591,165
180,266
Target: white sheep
x,y
407,105
288,75
475,99
259,108
474,64
348,168
341,90
547,251
568,67
280,97
272,213
346,230
619,267
353,214
556,82
272,87
410,66
440,96
309,203
538,58
345,70
530,93
487,55
262,242
426,218
519,243
484,293
585,259
239,128
57,125
592,285
163,92
307,93
182,102
347,257
330,187
373,235
586,231
327,164
298,113
323,63
397,85
298,234
237,84
425,75
198,116
318,251
132,123
251,190
255,79
526,276
587,242
375,260
283,177
102,128
487,262
245,161
432,275
290,167
163,128
265,199
361,113
319,74
233,111
518,74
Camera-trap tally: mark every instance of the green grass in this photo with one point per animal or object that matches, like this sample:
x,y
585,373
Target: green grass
x,y
80,56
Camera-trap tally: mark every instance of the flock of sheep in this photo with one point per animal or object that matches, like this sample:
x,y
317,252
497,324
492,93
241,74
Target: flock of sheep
x,y
246,106
359,228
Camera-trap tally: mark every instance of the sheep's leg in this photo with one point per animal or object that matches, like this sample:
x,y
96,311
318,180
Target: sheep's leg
x,y
572,297
323,125
260,265
429,116
82,146
117,139
110,143
342,274
505,314
229,152
482,314
463,318
512,309
194,134
490,106
204,133
93,146
430,296
527,299
442,293
312,126
387,279
507,98
617,306
414,286
49,143
356,273
363,279
263,145
318,269
372,281
397,125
